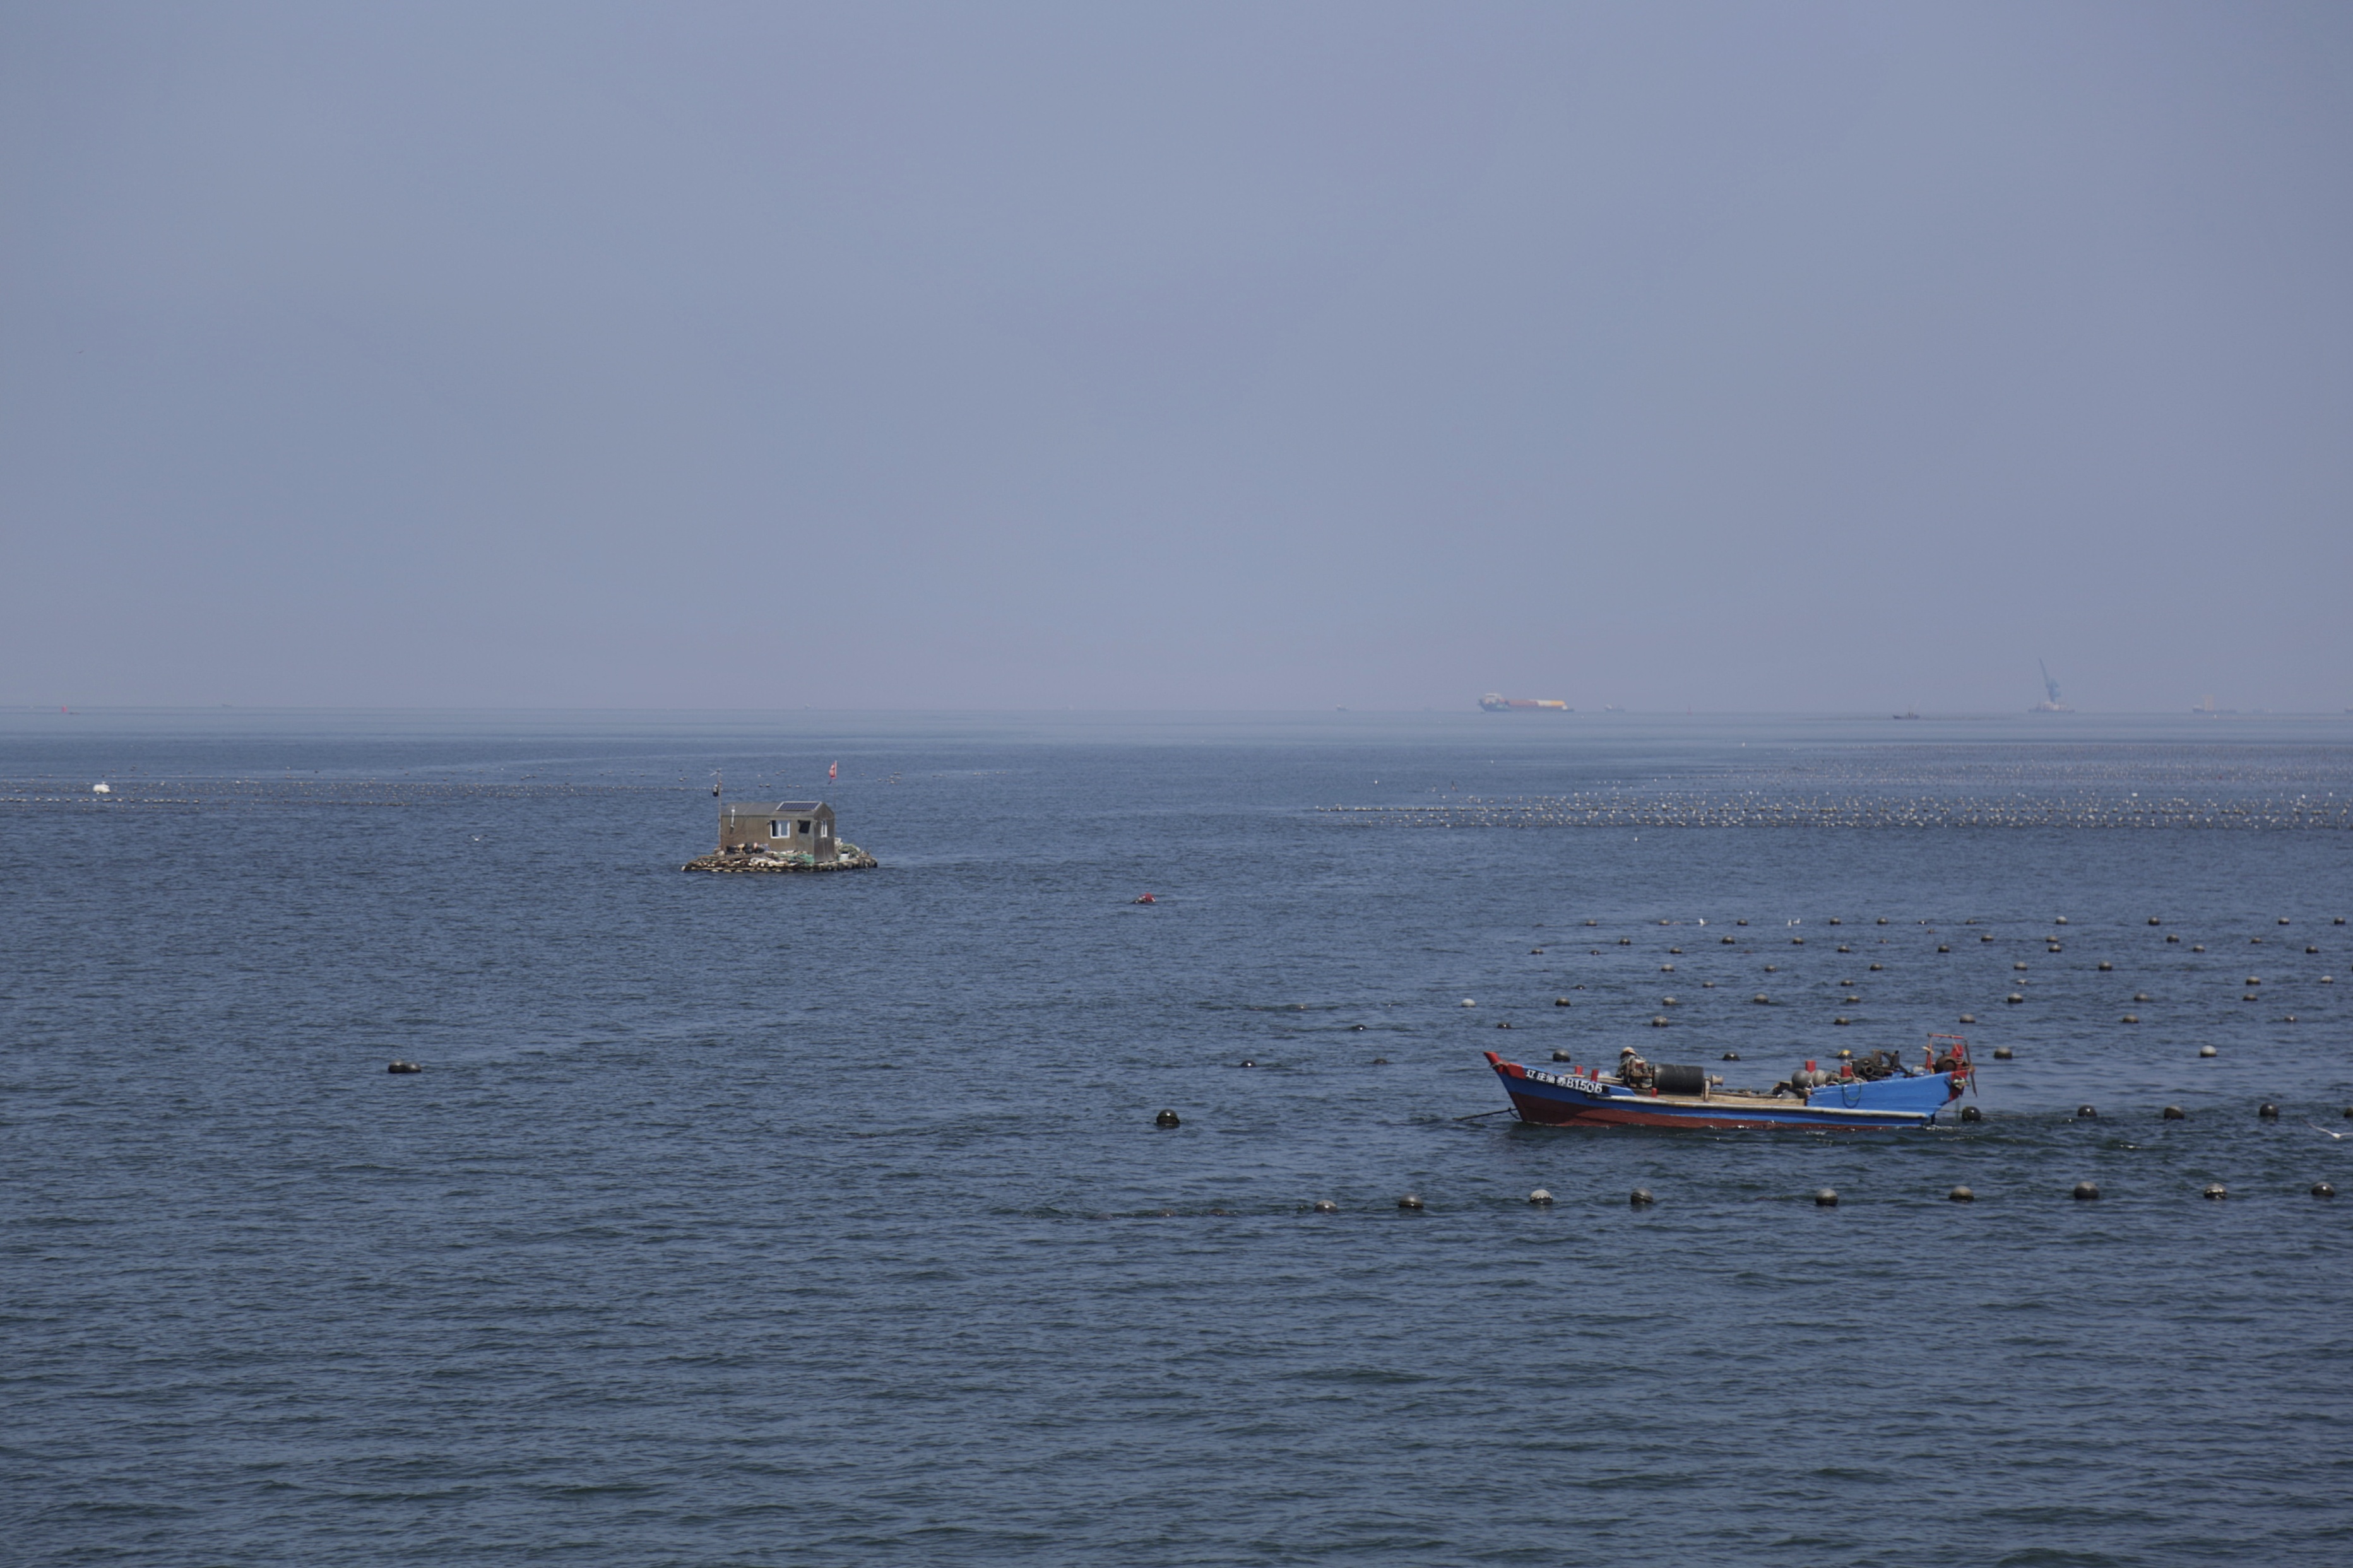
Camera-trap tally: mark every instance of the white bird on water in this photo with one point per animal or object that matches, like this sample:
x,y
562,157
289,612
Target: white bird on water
x,y
101,787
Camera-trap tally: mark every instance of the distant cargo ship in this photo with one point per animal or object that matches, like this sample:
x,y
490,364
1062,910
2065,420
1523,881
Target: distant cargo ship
x,y
1495,704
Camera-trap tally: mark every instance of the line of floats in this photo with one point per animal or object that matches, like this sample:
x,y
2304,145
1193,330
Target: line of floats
x,y
1642,1198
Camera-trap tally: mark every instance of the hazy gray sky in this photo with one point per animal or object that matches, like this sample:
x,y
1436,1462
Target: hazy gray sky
x,y
1776,356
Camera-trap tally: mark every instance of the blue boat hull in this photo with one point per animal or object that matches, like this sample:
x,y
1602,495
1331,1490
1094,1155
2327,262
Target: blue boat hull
x,y
1561,1100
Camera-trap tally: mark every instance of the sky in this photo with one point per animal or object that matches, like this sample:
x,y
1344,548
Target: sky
x,y
1784,357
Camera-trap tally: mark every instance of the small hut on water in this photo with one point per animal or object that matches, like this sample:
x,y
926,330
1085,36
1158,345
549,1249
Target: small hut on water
x,y
780,836
782,826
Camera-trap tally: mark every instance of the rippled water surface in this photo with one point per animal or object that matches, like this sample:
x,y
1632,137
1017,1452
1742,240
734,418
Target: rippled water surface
x,y
824,1219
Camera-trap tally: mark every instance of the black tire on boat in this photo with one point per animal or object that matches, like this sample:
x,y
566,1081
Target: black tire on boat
x,y
1674,1079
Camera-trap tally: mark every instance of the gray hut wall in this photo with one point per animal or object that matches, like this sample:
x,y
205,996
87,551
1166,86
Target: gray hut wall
x,y
749,830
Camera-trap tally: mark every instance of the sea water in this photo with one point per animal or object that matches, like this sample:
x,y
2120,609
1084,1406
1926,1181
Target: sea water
x,y
814,1219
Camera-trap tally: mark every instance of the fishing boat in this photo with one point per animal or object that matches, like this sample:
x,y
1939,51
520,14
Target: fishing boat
x,y
1679,1096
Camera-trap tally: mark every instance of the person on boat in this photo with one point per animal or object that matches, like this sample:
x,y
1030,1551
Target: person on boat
x,y
1633,1071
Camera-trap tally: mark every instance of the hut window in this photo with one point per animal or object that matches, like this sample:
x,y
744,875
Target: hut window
x,y
805,826
775,830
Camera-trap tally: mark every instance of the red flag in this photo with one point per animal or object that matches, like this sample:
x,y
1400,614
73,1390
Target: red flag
x,y
834,772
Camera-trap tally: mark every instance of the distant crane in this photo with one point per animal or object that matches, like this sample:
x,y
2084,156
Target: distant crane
x,y
2050,703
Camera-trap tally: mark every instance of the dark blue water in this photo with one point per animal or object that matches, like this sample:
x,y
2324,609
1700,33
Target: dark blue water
x,y
823,1219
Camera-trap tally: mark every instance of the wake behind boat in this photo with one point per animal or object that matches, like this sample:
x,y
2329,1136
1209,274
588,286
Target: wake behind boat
x,y
1678,1096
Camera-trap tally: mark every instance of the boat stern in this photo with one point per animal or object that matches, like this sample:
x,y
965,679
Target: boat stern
x,y
1923,1096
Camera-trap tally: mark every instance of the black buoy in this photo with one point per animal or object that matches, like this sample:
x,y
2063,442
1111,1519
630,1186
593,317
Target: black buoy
x,y
1355,1028
1732,1055
1971,1113
2268,1111
1541,1199
1943,948
1503,1023
1826,1199
1166,1119
2155,921
2000,1053
1641,1198
2087,1113
1381,1061
2014,998
2106,966
1968,1017
404,1067
2323,1190
1562,1057
2207,1051
1762,1000
2173,1113
1410,1201
1248,1063
1560,1002
1962,1195
1325,1206
2215,1190
2131,1018
2086,1191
